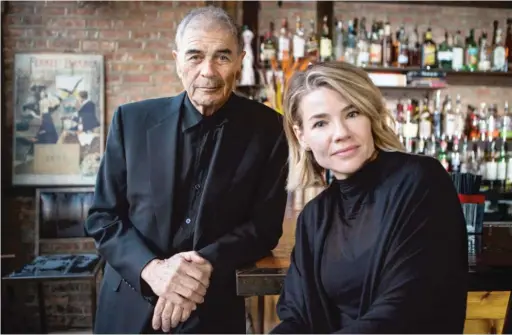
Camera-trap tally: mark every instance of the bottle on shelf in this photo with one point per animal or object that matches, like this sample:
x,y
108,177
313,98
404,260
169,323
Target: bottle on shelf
x,y
325,42
471,61
428,51
445,52
458,52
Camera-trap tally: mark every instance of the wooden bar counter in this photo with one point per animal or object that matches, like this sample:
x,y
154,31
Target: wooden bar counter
x,y
489,296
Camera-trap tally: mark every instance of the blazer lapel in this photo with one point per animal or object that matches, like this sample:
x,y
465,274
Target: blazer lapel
x,y
162,141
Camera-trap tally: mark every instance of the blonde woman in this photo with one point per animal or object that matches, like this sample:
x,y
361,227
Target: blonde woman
x,y
384,248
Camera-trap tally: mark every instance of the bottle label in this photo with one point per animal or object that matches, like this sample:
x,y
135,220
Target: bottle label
x,y
375,53
284,46
363,57
410,130
449,125
299,47
403,59
445,56
458,58
509,170
502,170
429,55
325,47
491,170
425,128
312,46
269,53
472,56
499,59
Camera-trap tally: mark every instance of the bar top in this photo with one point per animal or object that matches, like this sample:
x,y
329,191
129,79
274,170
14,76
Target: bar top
x,y
266,276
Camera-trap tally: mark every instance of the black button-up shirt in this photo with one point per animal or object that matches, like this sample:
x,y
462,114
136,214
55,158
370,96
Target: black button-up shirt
x,y
196,141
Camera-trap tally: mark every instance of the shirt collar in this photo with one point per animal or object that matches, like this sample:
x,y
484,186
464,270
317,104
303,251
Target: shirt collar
x,y
192,117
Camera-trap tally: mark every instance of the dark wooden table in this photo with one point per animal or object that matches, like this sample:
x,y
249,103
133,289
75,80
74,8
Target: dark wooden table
x,y
39,278
266,276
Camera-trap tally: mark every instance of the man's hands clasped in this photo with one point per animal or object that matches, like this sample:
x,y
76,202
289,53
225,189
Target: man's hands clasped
x,y
180,282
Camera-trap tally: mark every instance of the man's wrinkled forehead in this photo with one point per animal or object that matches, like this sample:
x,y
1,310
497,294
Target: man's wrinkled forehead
x,y
203,32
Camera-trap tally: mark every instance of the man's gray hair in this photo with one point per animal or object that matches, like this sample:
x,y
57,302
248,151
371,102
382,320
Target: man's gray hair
x,y
212,15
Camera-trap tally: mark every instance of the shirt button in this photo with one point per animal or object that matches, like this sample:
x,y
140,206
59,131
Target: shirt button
x,y
197,187
187,221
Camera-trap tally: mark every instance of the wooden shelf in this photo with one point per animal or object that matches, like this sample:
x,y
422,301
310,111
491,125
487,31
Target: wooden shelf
x,y
411,88
474,4
448,72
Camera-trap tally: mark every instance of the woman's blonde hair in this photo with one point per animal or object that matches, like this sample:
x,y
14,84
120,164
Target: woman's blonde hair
x,y
357,88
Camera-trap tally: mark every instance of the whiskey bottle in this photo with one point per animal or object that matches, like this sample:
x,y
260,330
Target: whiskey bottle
x,y
428,51
325,42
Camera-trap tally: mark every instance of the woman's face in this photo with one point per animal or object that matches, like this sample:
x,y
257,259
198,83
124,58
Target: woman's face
x,y
338,135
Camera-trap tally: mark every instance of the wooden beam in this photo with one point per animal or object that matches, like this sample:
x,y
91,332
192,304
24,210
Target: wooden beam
x,y
250,18
324,8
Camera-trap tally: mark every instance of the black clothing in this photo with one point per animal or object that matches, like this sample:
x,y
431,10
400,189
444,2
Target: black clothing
x,y
238,214
384,251
197,137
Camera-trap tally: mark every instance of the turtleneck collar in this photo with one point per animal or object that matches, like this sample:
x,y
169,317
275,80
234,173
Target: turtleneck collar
x,y
363,179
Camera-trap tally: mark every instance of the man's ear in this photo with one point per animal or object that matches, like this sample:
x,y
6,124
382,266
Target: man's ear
x,y
175,55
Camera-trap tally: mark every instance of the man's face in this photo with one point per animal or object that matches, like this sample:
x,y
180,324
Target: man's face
x,y
208,63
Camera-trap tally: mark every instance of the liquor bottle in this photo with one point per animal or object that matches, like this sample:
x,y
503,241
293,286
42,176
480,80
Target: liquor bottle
x,y
459,117
499,54
484,58
506,123
403,48
325,42
399,118
410,127
437,117
492,122
471,52
387,46
299,41
425,128
375,46
508,43
458,52
428,51
445,52
482,121
455,157
464,156
450,118
339,40
312,41
491,163
472,121
284,41
414,49
443,155
363,46
269,51
350,50
502,166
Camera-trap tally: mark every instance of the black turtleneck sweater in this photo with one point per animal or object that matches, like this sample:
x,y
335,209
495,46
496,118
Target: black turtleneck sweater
x,y
383,251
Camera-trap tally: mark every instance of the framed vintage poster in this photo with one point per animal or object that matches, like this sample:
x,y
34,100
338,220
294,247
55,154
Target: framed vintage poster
x,y
58,119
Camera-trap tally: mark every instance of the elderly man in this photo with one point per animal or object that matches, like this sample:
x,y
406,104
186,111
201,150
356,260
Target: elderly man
x,y
190,188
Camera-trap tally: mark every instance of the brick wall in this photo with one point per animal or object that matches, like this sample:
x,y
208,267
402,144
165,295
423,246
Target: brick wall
x,y
136,39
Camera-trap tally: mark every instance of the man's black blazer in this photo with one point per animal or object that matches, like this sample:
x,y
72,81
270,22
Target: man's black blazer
x,y
239,221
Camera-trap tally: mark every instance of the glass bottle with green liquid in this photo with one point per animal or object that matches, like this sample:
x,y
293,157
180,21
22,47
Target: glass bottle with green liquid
x,y
471,52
